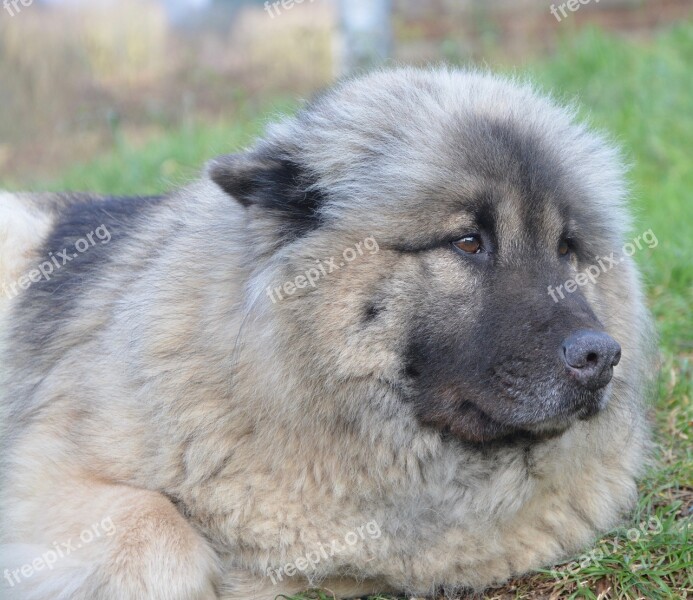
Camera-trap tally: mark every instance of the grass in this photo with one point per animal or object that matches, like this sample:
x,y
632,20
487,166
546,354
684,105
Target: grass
x,y
641,94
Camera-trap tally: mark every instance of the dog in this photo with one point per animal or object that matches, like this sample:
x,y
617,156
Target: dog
x,y
347,356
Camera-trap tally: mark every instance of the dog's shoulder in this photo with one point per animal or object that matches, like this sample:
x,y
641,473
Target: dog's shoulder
x,y
77,215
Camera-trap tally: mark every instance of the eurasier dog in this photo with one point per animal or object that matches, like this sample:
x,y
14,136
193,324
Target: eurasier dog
x,y
371,353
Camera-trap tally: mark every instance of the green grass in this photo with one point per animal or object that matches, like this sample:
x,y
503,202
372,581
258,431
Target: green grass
x,y
642,95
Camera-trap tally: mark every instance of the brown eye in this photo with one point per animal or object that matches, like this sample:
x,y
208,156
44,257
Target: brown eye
x,y
471,244
563,247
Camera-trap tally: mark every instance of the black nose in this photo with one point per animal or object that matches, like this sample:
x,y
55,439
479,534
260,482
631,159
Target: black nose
x,y
590,357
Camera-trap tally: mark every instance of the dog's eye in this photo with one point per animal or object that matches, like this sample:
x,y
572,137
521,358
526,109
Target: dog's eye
x,y
471,244
563,247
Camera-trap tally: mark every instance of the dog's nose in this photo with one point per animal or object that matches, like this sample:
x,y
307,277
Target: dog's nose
x,y
590,357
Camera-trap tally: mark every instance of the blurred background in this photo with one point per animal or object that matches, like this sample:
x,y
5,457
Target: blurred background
x,y
79,77
132,96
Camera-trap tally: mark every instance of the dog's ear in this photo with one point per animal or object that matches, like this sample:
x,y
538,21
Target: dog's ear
x,y
279,186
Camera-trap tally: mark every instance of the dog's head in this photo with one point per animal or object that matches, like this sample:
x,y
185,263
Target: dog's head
x,y
450,239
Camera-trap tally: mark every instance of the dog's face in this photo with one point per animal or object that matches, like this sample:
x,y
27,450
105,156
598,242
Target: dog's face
x,y
477,199
491,353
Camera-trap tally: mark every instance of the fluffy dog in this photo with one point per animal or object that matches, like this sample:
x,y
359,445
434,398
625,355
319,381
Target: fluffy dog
x,y
346,357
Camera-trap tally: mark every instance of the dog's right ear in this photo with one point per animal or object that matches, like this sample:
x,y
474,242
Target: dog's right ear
x,y
239,175
279,186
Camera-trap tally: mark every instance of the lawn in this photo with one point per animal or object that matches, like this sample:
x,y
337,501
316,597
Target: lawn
x,y
642,94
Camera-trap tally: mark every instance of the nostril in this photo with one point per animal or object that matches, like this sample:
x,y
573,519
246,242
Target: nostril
x,y
616,359
592,358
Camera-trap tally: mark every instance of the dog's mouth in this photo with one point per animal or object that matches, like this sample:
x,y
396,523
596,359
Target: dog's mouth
x,y
566,412
484,422
481,412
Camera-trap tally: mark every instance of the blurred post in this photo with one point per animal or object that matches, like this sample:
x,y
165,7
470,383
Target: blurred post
x,y
365,34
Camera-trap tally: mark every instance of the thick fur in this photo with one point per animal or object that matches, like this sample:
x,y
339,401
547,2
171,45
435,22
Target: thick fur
x,y
153,382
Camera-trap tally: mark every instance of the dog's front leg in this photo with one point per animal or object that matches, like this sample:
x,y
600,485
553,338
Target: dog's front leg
x,y
91,540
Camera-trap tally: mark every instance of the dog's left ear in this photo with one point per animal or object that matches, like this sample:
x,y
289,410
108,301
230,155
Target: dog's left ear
x,y
278,186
